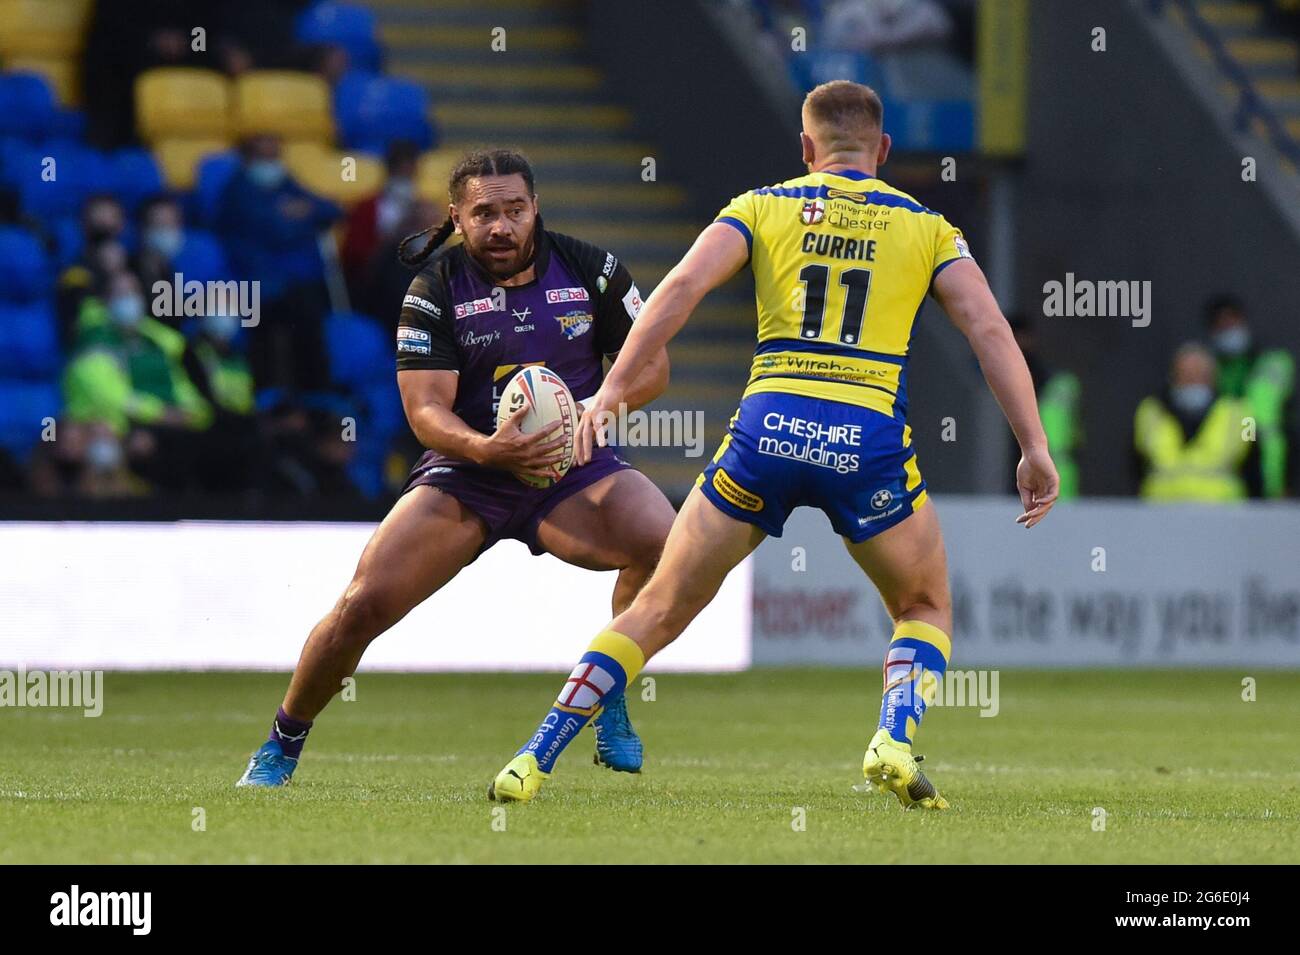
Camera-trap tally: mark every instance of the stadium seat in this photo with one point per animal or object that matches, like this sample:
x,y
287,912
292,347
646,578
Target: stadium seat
x,y
24,266
433,174
46,28
210,180
202,258
319,169
68,240
61,74
27,106
359,352
136,176
179,159
374,110
77,172
293,105
351,27
181,101
29,341
24,406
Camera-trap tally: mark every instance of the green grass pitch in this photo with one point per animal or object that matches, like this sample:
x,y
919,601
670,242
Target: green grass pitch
x,y
1184,769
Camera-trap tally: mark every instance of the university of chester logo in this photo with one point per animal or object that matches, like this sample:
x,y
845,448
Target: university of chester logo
x,y
882,499
814,210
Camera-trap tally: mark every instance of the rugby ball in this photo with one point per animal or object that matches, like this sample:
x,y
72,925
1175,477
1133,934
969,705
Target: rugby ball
x,y
549,400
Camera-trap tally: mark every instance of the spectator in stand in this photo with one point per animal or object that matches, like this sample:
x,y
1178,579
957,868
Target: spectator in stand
x,y
162,235
387,278
376,221
232,446
1059,406
1191,441
271,227
126,376
103,222
1266,380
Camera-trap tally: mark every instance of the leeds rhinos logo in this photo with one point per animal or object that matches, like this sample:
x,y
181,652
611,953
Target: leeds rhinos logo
x,y
574,323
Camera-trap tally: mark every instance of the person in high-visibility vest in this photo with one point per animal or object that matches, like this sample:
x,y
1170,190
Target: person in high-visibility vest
x,y
1266,379
1193,442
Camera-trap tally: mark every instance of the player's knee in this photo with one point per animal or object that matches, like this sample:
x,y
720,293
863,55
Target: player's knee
x,y
932,605
363,613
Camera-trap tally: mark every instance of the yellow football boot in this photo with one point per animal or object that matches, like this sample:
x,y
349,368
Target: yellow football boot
x,y
520,781
890,766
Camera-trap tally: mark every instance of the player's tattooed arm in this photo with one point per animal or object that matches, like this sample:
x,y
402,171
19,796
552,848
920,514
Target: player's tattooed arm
x,y
964,293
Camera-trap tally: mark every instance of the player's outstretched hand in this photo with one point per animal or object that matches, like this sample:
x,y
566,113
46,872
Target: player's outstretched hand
x,y
535,454
1038,484
590,436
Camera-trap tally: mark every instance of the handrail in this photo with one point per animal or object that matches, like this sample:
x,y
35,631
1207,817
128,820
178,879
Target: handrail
x,y
1250,104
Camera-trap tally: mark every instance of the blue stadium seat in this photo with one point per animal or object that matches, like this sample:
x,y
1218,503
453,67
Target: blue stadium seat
x,y
24,266
202,258
136,175
821,66
345,25
78,172
372,110
29,341
210,180
23,407
28,106
68,240
359,352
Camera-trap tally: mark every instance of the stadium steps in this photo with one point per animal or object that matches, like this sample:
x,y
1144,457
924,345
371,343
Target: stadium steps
x,y
1270,60
545,96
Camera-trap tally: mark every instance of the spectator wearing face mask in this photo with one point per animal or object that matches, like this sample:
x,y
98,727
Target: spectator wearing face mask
x,y
127,375
271,228
1266,380
1191,441
162,236
103,224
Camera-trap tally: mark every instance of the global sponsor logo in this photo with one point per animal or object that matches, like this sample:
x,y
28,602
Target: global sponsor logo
x,y
557,296
811,442
476,307
574,324
422,305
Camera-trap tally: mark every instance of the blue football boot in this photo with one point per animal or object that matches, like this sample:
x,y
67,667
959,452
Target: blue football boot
x,y
617,745
270,767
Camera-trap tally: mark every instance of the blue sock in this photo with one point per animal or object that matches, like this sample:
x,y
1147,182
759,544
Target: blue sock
x,y
600,677
914,667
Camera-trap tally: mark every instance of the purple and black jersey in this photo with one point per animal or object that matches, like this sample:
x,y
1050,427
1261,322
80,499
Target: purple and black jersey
x,y
576,312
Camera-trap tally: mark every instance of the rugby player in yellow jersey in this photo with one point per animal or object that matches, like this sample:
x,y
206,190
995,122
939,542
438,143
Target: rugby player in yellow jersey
x,y
842,262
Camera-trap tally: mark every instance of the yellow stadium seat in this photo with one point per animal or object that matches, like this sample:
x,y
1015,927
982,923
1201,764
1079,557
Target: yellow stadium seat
x,y
182,102
294,105
179,158
342,177
433,173
44,28
62,74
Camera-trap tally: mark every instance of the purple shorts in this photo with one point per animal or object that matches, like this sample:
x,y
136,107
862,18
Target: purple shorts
x,y
508,507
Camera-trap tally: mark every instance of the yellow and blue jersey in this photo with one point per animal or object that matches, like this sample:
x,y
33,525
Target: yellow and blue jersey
x,y
842,262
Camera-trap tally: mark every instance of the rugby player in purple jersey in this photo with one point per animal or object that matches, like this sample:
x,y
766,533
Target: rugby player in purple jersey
x,y
511,294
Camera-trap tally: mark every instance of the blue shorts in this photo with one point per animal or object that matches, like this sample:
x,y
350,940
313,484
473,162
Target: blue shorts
x,y
785,451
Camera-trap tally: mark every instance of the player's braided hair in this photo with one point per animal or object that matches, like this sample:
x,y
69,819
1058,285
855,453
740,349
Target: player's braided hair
x,y
480,162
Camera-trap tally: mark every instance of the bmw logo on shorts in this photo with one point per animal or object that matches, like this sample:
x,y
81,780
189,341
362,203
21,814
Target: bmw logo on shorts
x,y
882,499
